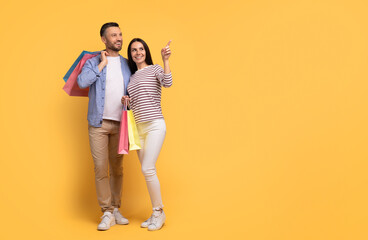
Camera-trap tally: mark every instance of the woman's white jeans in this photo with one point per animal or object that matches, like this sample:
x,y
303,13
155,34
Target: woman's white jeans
x,y
152,135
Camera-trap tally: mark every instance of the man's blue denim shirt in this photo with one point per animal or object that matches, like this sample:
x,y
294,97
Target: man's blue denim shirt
x,y
96,81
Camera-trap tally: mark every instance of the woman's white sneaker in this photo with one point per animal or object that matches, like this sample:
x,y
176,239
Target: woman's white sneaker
x,y
119,218
146,223
108,220
157,220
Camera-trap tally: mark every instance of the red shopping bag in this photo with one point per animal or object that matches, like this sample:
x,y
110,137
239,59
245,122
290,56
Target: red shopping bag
x,y
123,136
71,86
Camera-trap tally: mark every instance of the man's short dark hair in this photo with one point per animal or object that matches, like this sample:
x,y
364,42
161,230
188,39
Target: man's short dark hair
x,y
106,26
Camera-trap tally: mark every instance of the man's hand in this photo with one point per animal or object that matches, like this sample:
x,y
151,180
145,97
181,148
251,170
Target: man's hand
x,y
103,62
166,52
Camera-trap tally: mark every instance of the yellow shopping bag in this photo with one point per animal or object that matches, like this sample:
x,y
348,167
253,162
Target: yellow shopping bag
x,y
134,142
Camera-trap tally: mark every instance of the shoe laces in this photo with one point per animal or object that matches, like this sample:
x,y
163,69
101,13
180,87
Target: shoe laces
x,y
155,216
105,218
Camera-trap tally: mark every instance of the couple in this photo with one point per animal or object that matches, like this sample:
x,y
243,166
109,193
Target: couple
x,y
113,80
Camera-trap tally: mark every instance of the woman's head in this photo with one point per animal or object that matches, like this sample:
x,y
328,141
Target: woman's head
x,y
138,52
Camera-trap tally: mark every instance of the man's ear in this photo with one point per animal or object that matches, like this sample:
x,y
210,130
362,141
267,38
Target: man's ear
x,y
103,39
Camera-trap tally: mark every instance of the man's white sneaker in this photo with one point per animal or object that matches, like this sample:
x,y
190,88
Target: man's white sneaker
x,y
146,223
119,218
108,220
157,220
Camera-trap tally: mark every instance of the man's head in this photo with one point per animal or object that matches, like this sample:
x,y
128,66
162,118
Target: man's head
x,y
111,36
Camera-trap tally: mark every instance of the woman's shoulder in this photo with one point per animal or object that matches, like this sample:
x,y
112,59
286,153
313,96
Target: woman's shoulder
x,y
157,67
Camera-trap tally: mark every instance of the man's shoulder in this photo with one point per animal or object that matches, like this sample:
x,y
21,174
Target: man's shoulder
x,y
123,59
94,60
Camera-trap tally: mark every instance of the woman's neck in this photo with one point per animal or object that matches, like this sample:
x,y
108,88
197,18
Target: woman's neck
x,y
141,65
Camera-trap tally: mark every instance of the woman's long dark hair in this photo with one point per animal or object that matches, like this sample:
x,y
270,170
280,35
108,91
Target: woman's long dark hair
x,y
131,63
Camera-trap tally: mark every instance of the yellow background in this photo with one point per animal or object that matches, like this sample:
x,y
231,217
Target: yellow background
x,y
266,121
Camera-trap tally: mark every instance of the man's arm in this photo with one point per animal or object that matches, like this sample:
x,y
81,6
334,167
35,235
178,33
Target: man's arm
x,y
91,73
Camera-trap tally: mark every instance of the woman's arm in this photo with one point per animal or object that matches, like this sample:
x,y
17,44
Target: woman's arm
x,y
166,53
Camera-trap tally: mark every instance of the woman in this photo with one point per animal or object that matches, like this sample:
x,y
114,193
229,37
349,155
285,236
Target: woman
x,y
144,91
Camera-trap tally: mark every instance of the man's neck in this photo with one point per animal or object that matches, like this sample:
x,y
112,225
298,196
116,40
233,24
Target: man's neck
x,y
112,53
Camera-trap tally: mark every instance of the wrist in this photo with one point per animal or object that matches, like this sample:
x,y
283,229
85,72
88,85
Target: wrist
x,y
102,64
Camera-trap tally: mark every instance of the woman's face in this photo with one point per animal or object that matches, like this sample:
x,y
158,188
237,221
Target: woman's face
x,y
138,52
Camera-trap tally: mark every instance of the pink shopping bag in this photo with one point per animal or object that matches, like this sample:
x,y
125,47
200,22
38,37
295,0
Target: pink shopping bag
x,y
123,136
71,86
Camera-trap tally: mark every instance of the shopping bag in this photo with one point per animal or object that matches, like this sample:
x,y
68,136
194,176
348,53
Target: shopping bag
x,y
134,142
71,86
123,135
71,69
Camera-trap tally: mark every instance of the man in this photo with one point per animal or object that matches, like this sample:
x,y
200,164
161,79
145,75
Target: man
x,y
107,76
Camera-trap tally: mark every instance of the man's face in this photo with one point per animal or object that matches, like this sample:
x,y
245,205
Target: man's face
x,y
113,39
